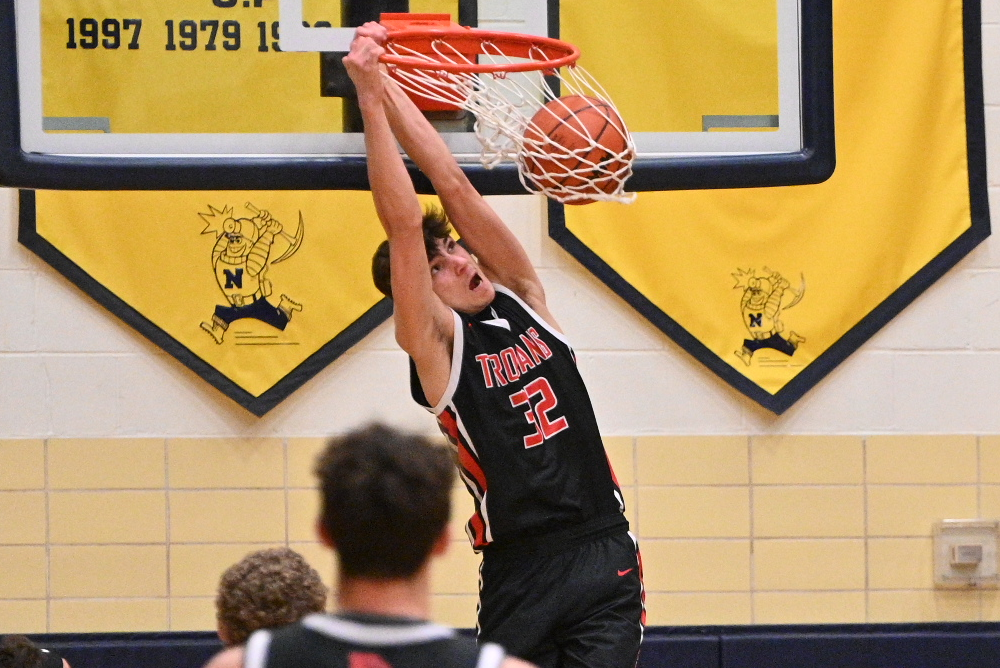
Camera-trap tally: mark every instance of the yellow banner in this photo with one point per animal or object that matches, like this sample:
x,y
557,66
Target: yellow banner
x,y
251,284
765,283
186,66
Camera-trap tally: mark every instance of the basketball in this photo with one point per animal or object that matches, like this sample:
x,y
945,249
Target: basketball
x,y
577,144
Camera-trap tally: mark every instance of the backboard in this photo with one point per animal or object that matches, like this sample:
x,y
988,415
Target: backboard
x,y
234,94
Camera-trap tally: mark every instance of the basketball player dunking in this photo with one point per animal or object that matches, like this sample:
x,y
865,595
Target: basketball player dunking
x,y
560,576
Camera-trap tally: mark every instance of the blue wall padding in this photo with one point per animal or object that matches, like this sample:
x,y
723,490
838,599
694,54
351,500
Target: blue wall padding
x,y
128,650
884,650
679,650
936,645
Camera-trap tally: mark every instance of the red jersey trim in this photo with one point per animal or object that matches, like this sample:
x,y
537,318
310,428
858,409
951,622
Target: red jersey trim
x,y
472,475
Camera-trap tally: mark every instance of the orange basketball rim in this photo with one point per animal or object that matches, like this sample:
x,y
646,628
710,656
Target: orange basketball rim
x,y
506,80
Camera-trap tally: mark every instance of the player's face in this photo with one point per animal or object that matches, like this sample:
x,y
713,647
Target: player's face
x,y
457,279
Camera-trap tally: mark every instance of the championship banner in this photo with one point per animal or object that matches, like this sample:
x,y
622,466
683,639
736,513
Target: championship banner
x,y
255,291
771,288
161,67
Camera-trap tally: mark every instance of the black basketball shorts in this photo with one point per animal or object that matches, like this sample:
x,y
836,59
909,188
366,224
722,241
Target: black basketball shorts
x,y
582,606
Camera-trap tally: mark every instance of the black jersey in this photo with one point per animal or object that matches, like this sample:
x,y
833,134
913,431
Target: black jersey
x,y
367,641
527,440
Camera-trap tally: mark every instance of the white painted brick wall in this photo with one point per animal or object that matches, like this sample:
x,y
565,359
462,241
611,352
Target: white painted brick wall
x,y
991,11
68,368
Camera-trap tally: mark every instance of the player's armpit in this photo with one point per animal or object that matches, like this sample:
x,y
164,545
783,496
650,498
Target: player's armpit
x,y
431,351
538,305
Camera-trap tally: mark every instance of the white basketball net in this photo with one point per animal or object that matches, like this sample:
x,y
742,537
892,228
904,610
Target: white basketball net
x,y
504,104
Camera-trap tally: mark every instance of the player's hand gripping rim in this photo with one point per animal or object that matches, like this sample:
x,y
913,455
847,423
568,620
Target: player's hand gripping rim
x,y
362,62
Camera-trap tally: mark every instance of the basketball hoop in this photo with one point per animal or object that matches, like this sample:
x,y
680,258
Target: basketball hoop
x,y
504,80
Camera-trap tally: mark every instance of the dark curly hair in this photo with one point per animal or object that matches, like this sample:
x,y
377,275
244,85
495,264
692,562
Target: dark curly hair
x,y
386,498
265,589
18,651
436,226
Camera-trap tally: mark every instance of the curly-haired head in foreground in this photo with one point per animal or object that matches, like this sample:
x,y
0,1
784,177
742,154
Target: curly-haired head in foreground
x,y
266,589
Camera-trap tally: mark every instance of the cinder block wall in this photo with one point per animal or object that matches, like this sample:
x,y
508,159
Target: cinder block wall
x,y
132,534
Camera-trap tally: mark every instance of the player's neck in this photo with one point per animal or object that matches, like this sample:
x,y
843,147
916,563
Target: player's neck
x,y
398,598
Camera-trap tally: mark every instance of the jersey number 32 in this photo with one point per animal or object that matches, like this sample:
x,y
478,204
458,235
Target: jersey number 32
x,y
540,399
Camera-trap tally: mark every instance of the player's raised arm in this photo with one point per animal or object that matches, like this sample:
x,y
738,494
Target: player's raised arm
x,y
500,252
424,325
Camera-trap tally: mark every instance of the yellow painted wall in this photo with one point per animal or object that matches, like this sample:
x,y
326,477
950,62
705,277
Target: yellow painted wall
x,y
132,535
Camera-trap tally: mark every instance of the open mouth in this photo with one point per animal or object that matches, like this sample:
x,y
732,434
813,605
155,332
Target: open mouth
x,y
475,282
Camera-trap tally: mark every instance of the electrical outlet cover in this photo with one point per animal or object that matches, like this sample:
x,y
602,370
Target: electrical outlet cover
x,y
951,536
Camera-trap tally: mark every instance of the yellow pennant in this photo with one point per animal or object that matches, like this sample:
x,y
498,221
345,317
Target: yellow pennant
x,y
772,287
255,290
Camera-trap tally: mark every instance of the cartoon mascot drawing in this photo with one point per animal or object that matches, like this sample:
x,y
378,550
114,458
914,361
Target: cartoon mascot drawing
x,y
764,298
241,257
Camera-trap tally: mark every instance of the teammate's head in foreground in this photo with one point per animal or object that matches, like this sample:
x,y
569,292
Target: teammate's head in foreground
x,y
266,589
456,277
385,505
386,501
